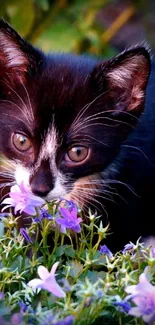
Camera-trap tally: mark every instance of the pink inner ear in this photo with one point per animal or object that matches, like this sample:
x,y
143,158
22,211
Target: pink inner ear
x,y
11,54
131,77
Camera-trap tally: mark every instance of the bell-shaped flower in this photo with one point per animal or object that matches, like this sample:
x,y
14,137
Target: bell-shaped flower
x,y
143,296
47,281
22,199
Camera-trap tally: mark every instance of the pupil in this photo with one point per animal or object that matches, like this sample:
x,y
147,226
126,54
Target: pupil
x,y
78,151
22,139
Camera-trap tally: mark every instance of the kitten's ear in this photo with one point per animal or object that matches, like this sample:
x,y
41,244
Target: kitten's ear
x,y
125,78
17,57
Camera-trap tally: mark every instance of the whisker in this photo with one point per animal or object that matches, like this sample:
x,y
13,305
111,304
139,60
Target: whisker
x,y
20,109
29,101
17,118
90,137
141,151
28,113
84,109
83,125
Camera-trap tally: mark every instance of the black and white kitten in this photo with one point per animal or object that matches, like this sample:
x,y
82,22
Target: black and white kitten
x,y
64,120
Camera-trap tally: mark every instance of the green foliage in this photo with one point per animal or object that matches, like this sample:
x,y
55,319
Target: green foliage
x,y
93,282
58,25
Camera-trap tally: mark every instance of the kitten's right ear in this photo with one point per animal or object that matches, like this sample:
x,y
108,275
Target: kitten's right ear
x,y
125,78
17,57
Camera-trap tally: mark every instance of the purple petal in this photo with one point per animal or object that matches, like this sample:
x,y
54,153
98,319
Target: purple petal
x,y
52,286
131,289
36,201
8,201
43,272
19,207
74,212
65,213
61,221
35,283
25,235
76,228
62,229
135,311
30,210
53,269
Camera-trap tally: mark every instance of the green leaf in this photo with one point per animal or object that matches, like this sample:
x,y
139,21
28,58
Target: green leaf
x,y
62,35
21,15
59,251
69,251
76,268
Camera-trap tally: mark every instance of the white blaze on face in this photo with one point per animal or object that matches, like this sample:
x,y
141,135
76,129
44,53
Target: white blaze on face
x,y
49,146
48,151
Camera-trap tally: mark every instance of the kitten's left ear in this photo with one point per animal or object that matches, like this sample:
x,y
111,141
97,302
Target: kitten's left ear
x,y
17,57
124,78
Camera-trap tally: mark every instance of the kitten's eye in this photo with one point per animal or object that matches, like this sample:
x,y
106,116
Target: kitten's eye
x,y
21,142
78,153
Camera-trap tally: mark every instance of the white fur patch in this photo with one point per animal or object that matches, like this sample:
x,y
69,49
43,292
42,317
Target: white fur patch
x,y
48,151
49,146
22,174
59,188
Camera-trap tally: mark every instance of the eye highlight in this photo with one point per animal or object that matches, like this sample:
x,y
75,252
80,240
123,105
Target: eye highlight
x,y
21,142
78,154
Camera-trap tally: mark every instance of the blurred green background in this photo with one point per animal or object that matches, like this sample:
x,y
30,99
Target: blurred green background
x,y
99,27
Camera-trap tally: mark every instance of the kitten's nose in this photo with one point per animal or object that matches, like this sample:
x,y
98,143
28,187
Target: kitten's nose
x,y
42,181
41,190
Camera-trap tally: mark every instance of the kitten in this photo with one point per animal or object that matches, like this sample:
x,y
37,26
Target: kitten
x,y
69,128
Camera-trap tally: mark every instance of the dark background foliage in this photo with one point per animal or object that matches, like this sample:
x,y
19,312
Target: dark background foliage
x,y
99,27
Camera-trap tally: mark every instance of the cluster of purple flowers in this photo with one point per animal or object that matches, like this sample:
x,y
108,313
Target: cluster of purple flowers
x,y
141,295
23,200
68,217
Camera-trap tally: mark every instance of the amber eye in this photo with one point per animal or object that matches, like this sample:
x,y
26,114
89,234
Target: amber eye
x,y
21,142
78,153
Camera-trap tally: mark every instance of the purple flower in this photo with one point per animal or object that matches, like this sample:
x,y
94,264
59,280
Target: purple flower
x,y
43,214
69,219
69,204
23,307
105,250
22,199
69,320
124,305
47,281
16,319
143,295
25,235
128,248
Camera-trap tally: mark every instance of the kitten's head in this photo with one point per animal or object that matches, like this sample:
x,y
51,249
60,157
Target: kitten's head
x,y
64,117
